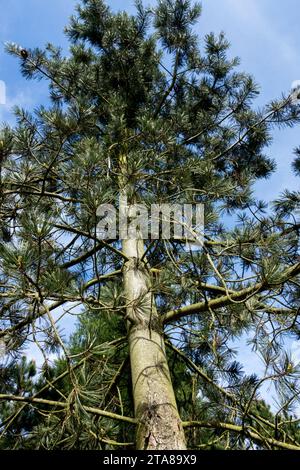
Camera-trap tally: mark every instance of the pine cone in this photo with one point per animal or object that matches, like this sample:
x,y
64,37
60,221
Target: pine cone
x,y
24,54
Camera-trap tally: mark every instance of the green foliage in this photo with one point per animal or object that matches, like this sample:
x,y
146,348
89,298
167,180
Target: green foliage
x,y
138,100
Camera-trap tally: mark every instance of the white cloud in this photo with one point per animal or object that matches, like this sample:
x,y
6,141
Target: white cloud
x,y
23,99
2,92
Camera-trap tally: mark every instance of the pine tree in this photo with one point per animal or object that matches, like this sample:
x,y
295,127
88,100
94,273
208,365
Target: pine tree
x,y
139,113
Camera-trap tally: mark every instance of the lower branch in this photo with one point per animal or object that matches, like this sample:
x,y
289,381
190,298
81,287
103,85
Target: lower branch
x,y
242,430
89,409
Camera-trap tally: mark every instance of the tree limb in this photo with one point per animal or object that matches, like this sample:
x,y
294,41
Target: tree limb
x,y
225,300
89,409
242,430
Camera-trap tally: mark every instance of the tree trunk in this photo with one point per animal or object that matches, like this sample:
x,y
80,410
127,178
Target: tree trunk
x,y
159,425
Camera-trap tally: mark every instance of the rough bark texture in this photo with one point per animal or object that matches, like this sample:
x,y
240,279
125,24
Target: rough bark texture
x,y
154,400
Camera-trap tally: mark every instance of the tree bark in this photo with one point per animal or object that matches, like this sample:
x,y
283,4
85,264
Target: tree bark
x,y
159,425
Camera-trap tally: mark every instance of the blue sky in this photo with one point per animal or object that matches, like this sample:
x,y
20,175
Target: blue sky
x,y
265,34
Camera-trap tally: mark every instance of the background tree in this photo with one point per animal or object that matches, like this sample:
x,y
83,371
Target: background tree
x,y
138,111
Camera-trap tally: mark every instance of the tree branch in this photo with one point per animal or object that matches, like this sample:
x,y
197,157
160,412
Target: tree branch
x,y
229,396
225,300
241,430
91,237
31,318
114,343
89,409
